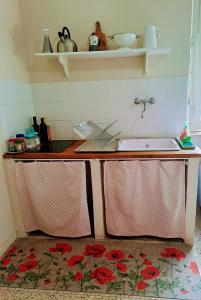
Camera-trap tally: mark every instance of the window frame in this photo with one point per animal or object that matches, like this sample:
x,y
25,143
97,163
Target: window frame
x,y
195,68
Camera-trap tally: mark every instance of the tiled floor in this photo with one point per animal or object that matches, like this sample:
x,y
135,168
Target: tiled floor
x,y
24,294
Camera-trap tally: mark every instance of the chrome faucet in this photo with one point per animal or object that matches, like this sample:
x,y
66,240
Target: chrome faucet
x,y
137,101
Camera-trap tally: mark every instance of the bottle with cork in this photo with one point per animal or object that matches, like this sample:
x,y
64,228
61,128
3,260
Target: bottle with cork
x,y
102,38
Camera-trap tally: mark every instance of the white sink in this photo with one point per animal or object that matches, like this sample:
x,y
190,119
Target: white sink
x,y
148,145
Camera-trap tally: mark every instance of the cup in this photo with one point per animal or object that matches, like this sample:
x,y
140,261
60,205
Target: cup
x,y
151,35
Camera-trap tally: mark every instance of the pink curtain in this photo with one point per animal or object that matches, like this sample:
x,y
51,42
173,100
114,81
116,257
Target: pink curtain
x,y
145,198
52,197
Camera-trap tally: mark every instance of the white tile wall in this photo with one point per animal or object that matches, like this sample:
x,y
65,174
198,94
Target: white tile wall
x,y
16,107
69,103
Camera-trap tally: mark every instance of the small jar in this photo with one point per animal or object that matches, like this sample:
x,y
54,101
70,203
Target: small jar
x,y
37,140
20,136
18,145
30,142
93,42
11,145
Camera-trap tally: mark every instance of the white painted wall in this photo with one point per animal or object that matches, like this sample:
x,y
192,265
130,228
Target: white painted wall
x,y
67,104
7,228
103,90
173,17
16,105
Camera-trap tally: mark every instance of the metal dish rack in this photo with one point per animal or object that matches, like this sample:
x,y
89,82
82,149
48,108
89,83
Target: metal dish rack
x,y
100,137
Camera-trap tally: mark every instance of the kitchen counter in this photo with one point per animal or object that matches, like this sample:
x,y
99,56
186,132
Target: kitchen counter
x,y
192,158
69,153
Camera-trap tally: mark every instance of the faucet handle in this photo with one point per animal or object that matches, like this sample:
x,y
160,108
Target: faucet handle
x,y
152,100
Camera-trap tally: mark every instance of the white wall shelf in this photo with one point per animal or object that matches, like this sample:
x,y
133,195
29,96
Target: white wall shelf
x,y
64,57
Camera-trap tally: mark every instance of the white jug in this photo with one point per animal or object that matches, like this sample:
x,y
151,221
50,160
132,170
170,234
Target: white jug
x,y
151,34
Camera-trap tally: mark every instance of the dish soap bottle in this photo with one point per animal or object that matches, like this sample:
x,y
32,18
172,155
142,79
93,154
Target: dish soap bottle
x,y
185,136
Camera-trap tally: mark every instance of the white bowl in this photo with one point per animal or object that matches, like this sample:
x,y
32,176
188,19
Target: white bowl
x,y
124,40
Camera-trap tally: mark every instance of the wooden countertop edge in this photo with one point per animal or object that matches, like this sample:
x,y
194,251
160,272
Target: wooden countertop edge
x,y
69,153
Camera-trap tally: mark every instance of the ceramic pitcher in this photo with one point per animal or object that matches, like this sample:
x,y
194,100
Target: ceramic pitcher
x,y
151,34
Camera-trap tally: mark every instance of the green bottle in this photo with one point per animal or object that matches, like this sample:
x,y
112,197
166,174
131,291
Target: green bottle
x,y
187,138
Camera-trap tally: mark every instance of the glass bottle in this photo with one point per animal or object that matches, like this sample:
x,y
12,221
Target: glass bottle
x,y
43,133
35,125
47,47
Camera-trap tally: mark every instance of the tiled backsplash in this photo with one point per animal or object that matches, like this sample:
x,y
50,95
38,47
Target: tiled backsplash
x,y
67,104
16,107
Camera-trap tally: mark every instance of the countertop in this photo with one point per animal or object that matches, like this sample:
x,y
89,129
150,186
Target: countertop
x,y
69,153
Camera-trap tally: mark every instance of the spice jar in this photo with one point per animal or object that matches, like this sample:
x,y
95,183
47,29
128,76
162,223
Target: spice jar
x,y
11,145
18,145
20,137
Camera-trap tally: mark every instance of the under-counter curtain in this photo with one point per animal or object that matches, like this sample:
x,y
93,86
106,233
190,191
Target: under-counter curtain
x,y
145,198
53,197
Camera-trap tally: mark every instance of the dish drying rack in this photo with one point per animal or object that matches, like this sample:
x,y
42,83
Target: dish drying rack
x,y
100,137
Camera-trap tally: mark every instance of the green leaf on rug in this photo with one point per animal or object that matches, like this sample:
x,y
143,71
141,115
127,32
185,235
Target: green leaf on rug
x,y
176,282
32,276
178,270
162,284
70,275
11,268
116,285
87,274
167,262
48,254
124,260
84,280
2,278
43,275
92,287
133,275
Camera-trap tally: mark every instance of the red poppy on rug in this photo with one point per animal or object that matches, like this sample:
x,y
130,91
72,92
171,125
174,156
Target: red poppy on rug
x,y
27,266
184,292
141,285
31,256
147,262
95,250
74,260
115,255
142,255
194,268
11,277
173,253
103,275
47,281
78,276
122,267
150,272
63,248
12,250
5,261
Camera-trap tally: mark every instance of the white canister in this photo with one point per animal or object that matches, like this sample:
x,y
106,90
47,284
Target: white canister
x,y
151,34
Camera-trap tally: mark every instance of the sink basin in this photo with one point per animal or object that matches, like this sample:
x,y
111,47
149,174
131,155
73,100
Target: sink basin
x,y
148,145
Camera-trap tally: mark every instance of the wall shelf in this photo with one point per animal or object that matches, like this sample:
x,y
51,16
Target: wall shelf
x,y
64,57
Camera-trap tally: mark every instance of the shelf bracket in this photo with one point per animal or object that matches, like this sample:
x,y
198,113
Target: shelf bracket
x,y
64,62
146,63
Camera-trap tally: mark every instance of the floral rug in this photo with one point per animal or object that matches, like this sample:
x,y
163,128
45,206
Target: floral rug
x,y
111,267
